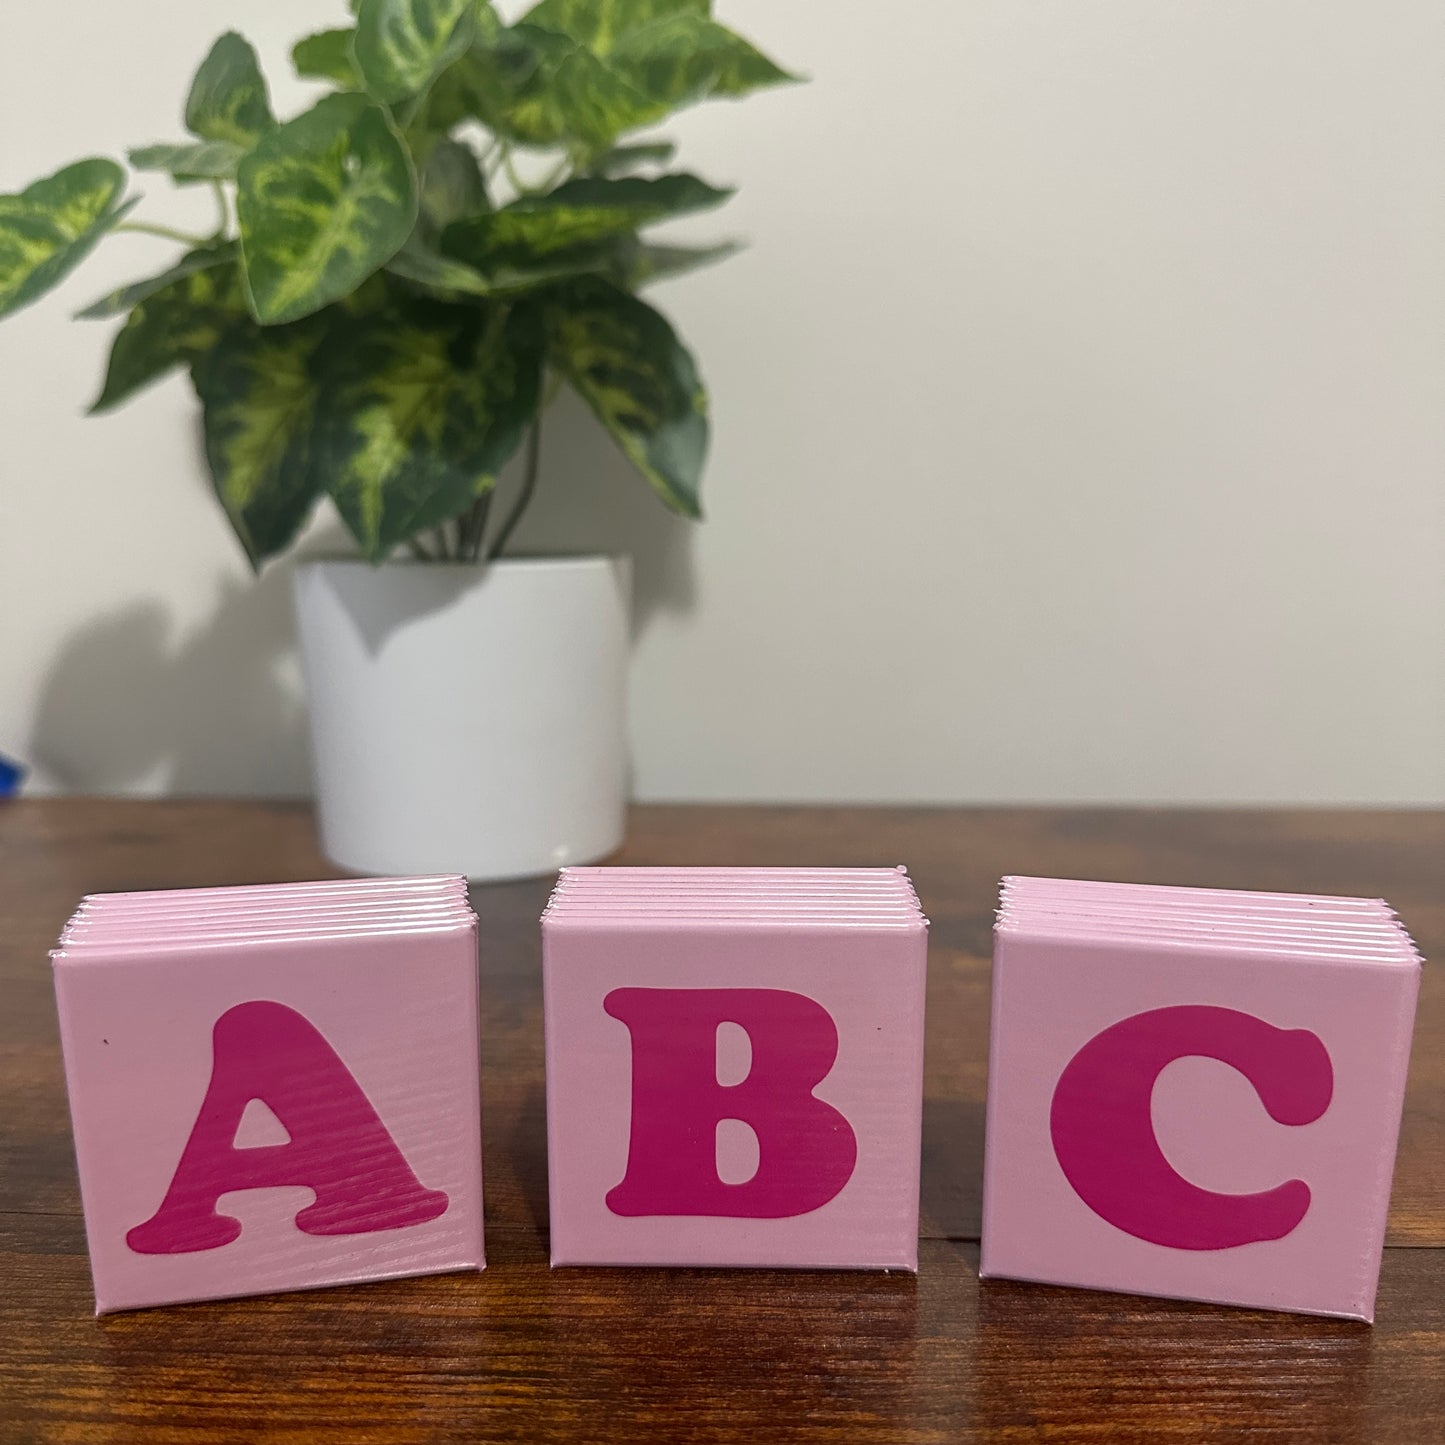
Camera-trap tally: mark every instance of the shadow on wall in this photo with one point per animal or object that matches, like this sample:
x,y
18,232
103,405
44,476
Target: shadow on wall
x,y
126,705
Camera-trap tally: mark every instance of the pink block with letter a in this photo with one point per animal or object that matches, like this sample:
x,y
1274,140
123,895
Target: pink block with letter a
x,y
742,1090
276,1111
1194,1116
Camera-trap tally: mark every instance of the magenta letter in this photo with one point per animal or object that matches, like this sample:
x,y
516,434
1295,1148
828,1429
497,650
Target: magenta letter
x,y
806,1148
338,1147
1103,1129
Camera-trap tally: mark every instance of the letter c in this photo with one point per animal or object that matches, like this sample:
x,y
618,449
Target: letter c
x,y
1103,1130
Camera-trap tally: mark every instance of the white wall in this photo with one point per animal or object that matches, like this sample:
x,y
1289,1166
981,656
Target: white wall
x,y
1079,424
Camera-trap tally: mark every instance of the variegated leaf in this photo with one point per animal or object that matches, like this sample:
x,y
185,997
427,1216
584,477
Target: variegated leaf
x,y
580,213
582,72
207,160
113,303
417,262
628,365
258,398
327,55
602,25
539,88
421,409
49,228
451,97
174,325
323,202
228,99
402,44
687,57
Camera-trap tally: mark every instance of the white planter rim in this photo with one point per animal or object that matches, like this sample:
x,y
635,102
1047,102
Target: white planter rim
x,y
559,561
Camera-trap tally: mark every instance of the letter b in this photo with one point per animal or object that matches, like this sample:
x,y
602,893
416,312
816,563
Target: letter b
x,y
806,1148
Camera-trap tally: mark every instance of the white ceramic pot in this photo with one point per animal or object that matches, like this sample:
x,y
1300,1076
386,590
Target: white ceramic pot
x,y
467,718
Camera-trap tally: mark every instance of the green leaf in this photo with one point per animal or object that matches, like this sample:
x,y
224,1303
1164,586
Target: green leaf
x,y
687,57
579,73
422,407
452,185
417,262
327,55
649,262
451,97
228,99
113,303
603,25
402,44
207,160
50,227
645,198
742,67
622,159
258,398
448,103
323,202
487,25
582,212
538,88
175,324
628,365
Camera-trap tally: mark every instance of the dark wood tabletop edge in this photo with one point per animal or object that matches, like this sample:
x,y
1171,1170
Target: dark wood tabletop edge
x,y
777,810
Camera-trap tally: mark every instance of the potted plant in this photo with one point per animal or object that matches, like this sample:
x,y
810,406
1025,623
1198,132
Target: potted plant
x,y
399,279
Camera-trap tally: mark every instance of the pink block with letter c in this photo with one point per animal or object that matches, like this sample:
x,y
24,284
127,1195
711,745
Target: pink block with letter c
x,y
739,1092
1208,1119
365,1162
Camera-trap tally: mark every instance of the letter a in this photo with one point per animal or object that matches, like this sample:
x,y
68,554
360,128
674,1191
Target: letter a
x,y
806,1148
1103,1128
339,1147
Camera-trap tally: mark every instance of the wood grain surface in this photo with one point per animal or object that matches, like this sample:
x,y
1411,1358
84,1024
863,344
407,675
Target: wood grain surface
x,y
522,1353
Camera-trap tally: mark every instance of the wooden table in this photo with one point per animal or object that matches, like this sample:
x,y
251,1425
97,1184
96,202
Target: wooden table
x,y
520,1353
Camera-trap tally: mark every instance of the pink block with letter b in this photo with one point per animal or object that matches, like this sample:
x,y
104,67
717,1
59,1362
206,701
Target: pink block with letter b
x,y
1195,1094
734,1067
260,1103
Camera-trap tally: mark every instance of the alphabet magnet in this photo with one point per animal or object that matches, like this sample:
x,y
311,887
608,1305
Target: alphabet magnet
x,y
273,1088
1195,1093
734,1067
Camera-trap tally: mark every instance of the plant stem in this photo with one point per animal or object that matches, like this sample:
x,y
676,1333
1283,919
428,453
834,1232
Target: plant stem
x,y
223,224
509,166
524,497
166,233
472,527
493,162
442,544
418,551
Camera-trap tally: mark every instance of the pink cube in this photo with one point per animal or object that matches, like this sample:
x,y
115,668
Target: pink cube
x,y
734,1090
273,1108
1186,1110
